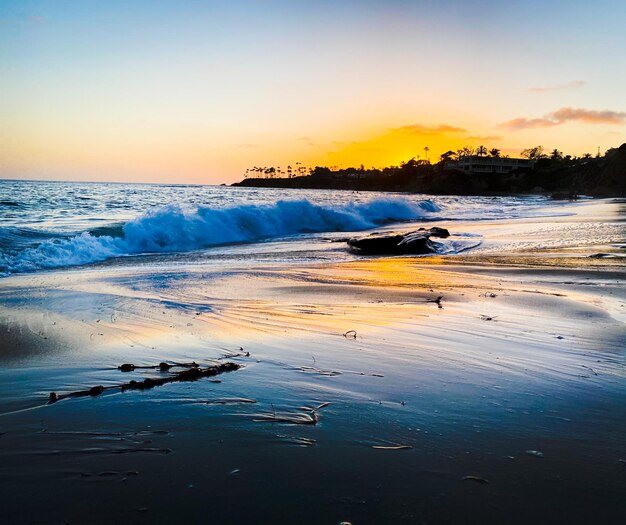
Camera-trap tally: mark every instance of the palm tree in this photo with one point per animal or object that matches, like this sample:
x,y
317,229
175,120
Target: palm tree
x,y
481,151
494,152
555,154
465,151
426,150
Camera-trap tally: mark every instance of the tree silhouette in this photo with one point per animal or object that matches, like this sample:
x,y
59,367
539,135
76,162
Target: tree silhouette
x,y
465,151
535,153
494,152
555,154
481,151
448,155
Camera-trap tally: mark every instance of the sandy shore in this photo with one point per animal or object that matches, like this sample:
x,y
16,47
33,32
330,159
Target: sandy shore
x,y
503,402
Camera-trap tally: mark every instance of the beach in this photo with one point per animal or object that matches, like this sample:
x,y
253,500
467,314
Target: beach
x,y
482,384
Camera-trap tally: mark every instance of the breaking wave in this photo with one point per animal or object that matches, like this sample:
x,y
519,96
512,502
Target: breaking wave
x,y
177,229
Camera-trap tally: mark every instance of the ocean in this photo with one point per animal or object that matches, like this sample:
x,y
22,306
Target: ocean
x,y
45,225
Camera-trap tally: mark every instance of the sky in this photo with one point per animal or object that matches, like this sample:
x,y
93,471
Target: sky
x,y
198,91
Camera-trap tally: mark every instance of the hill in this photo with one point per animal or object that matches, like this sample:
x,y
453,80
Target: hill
x,y
601,176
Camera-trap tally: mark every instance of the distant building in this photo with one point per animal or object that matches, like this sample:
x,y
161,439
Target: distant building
x,y
477,164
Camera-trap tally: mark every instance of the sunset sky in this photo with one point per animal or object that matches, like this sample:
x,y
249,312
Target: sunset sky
x,y
197,91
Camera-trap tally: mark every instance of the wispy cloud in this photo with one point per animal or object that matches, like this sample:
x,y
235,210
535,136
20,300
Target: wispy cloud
x,y
564,115
568,86
485,138
420,129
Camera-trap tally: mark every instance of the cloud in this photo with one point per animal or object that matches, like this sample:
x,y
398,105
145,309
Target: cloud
x,y
485,138
420,129
564,115
568,86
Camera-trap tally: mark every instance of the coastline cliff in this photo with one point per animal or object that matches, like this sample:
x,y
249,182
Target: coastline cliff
x,y
601,177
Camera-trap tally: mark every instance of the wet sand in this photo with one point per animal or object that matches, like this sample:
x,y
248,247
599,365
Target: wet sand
x,y
360,398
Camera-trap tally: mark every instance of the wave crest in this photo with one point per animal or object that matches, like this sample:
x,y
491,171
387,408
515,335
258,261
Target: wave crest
x,y
175,229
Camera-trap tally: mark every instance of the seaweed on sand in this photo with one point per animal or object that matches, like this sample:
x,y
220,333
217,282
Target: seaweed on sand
x,y
191,374
297,440
392,447
306,416
227,401
163,366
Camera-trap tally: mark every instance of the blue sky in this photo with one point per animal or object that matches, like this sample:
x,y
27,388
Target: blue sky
x,y
200,90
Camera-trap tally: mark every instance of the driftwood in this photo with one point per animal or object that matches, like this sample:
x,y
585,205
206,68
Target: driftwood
x,y
437,301
191,374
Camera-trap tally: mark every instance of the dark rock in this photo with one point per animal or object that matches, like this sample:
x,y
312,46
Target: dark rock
x,y
563,196
436,231
126,367
416,243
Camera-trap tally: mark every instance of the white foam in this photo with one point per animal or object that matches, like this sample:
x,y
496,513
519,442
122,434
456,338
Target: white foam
x,y
177,229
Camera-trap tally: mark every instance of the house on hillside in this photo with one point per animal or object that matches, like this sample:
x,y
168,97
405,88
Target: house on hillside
x,y
479,164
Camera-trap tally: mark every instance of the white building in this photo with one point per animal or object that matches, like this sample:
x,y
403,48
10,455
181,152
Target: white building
x,y
478,164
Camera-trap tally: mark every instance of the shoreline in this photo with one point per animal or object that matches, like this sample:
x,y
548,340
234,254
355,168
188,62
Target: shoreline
x,y
505,404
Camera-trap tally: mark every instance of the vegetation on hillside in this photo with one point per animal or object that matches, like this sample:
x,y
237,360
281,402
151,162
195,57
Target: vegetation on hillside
x,y
552,171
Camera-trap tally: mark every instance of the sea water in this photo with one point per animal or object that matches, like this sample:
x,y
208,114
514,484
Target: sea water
x,y
45,225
